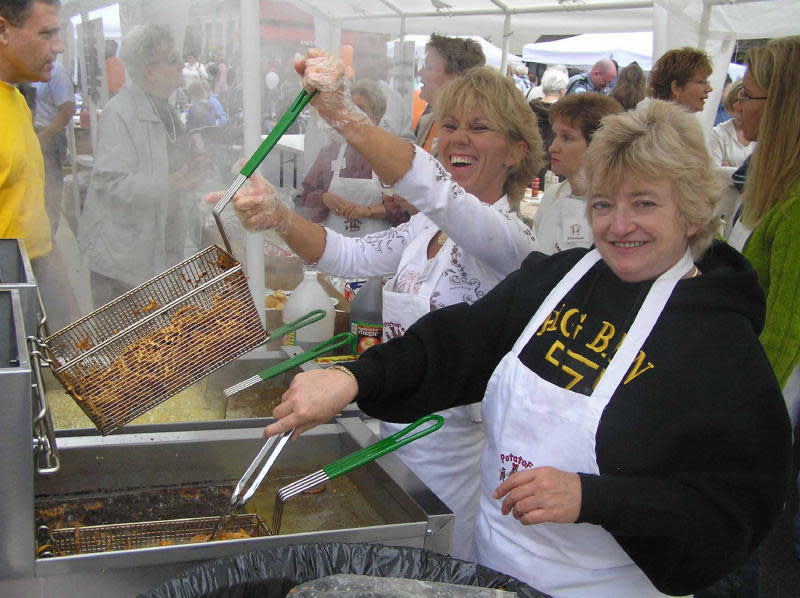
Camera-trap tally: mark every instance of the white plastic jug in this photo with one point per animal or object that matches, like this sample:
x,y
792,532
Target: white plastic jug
x,y
308,296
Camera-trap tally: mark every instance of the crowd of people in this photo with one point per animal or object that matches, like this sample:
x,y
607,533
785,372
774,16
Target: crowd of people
x,y
619,376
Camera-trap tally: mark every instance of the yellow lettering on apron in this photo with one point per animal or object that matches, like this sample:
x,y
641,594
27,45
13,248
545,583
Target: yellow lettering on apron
x,y
603,338
565,322
549,325
597,380
576,377
636,368
558,345
584,360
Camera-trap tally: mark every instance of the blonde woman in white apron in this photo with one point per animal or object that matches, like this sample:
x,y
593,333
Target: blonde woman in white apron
x,y
464,240
621,455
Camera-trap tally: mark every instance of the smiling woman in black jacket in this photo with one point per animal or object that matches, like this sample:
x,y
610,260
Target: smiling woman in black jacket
x,y
637,441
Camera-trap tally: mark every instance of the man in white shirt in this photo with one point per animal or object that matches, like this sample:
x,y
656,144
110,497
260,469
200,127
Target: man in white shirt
x,y
55,106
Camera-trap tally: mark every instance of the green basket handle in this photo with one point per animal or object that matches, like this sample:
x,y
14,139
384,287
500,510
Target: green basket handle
x,y
383,447
300,102
305,320
324,347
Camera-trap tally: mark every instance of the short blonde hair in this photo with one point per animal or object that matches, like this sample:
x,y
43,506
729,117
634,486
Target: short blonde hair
x,y
658,141
505,108
731,96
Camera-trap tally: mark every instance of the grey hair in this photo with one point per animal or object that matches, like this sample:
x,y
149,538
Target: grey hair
x,y
141,46
554,80
372,91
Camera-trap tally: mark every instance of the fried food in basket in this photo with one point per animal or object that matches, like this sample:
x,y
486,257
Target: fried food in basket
x,y
229,535
162,359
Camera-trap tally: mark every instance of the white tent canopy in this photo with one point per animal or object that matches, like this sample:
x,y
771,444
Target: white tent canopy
x,y
588,48
711,25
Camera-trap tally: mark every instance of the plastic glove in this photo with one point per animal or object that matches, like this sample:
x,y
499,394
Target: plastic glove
x,y
257,205
325,73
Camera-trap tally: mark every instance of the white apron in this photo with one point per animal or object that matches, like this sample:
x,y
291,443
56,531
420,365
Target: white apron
x,y
563,225
530,423
364,192
447,462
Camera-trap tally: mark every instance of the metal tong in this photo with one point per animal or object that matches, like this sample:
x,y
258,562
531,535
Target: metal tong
x,y
332,343
351,462
300,102
260,466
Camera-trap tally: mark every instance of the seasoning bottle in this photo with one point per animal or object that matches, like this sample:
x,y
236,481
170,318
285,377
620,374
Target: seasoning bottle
x,y
308,296
366,320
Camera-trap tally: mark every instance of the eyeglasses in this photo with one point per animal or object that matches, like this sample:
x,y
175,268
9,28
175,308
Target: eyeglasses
x,y
743,96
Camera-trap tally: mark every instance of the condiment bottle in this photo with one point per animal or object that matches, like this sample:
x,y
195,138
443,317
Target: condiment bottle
x,y
308,296
366,319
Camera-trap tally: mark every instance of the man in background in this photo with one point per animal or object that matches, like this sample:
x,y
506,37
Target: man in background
x,y
29,43
55,106
445,59
598,79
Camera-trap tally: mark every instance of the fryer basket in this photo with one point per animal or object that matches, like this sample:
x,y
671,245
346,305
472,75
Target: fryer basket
x,y
137,351
147,534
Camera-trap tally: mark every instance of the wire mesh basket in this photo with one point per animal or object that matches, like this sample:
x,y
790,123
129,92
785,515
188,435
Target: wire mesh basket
x,y
132,354
149,534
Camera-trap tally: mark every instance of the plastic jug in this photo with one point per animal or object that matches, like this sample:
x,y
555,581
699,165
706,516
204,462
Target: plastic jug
x,y
308,296
366,320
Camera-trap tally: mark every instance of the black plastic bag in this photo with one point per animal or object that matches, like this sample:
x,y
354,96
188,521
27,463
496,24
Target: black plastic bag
x,y
271,573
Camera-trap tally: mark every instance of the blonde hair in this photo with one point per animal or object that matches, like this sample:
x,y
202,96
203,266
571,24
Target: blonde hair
x,y
775,166
731,96
505,108
656,142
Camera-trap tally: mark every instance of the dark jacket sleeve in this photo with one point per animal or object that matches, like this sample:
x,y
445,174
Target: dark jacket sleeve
x,y
448,356
712,473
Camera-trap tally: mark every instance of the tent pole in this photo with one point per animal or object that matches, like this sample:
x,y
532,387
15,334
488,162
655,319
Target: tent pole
x,y
506,43
251,99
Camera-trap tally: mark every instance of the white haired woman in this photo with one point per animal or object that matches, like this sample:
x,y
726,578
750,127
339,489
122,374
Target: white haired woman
x,y
134,222
628,452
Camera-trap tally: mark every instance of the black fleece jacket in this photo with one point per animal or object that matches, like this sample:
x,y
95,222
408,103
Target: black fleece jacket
x,y
694,446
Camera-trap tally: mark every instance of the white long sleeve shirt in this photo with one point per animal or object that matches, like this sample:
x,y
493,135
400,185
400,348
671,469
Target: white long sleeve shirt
x,y
490,240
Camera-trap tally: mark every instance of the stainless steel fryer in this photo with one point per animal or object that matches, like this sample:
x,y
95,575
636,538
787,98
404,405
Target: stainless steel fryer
x,y
212,452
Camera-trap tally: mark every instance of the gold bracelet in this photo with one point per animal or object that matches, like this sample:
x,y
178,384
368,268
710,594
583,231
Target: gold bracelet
x,y
371,213
341,368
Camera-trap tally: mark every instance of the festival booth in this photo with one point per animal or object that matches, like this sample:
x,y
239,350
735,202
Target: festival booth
x,y
187,454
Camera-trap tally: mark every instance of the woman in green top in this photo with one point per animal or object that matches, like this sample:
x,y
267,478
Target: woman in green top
x,y
771,114
770,103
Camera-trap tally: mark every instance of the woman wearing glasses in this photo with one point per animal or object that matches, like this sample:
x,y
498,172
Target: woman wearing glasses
x,y
770,217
